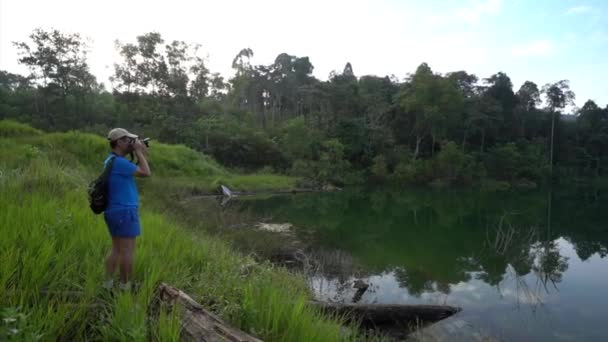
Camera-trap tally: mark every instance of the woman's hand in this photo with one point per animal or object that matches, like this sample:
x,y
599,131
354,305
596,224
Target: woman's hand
x,y
138,145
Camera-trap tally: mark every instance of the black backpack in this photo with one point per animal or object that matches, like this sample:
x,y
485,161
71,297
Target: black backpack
x,y
98,189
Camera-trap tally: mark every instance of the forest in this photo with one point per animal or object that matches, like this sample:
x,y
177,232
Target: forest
x,y
452,129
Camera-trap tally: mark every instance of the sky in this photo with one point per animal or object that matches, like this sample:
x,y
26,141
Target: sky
x,y
538,40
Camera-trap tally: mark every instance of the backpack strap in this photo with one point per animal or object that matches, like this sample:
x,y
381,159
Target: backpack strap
x,y
108,168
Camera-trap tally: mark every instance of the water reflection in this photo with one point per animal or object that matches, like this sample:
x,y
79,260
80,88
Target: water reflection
x,y
521,266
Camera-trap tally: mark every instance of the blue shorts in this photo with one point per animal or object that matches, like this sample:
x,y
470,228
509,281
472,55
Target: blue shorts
x,y
123,222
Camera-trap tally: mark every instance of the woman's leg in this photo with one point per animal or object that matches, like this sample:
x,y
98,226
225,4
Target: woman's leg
x,y
112,258
127,255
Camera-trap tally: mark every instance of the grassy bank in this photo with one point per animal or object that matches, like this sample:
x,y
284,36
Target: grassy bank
x,y
52,249
183,167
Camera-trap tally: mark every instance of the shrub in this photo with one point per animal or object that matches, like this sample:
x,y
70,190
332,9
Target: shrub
x,y
454,166
379,168
332,166
10,128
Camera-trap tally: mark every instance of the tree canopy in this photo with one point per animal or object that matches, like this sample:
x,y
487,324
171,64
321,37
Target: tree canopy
x,y
429,127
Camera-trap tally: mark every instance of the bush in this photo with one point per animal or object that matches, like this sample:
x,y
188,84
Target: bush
x,y
492,185
502,162
266,170
380,168
303,168
296,139
417,171
397,155
10,128
511,162
534,163
245,148
454,166
332,166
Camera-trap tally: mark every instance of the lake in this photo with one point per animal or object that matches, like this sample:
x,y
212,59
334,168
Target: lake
x,y
527,266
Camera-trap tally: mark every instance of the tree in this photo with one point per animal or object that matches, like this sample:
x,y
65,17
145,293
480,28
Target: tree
x,y
348,72
343,96
14,91
241,62
377,95
279,114
218,86
503,161
500,88
558,96
484,117
12,82
176,78
332,166
592,122
243,93
466,85
173,70
528,98
57,57
464,81
58,61
432,102
379,168
453,165
417,98
144,67
200,84
296,139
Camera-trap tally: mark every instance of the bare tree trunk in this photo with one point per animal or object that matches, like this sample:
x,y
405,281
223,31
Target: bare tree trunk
x,y
276,103
207,138
36,104
552,133
549,206
464,140
418,141
483,138
263,113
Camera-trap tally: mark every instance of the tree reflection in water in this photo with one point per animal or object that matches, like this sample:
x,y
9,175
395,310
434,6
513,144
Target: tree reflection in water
x,y
431,241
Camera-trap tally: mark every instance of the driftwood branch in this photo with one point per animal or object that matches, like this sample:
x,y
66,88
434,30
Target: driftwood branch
x,y
373,314
199,324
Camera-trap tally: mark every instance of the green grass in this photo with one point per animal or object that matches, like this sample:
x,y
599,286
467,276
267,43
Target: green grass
x,y
10,128
52,251
185,168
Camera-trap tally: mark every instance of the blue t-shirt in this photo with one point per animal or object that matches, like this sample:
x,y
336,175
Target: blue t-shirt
x,y
122,191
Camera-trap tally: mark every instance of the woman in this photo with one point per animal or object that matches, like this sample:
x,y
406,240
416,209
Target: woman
x,y
121,214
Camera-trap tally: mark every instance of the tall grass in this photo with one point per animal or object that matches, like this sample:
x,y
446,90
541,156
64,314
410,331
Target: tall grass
x,y
52,251
187,169
10,128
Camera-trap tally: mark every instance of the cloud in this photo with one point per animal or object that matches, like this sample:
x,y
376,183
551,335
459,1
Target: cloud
x,y
471,14
599,36
478,10
534,49
579,10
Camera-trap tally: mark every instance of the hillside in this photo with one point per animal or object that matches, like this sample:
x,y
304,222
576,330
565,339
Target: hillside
x,y
52,250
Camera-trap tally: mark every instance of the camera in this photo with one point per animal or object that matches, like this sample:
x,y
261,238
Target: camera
x,y
145,141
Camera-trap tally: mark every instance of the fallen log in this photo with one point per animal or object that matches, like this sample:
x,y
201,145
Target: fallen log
x,y
387,314
197,323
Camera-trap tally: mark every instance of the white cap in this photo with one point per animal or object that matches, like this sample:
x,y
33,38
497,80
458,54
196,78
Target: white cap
x,y
118,133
